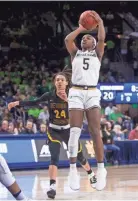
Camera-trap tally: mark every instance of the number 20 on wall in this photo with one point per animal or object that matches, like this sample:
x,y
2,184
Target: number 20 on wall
x,y
108,95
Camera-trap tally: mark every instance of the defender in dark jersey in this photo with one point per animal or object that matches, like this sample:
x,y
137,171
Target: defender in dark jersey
x,y
59,128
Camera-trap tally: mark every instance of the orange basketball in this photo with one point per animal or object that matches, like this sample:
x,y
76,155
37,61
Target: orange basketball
x,y
87,21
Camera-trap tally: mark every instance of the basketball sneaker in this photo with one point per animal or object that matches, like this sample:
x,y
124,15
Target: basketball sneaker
x,y
51,193
92,178
74,179
101,179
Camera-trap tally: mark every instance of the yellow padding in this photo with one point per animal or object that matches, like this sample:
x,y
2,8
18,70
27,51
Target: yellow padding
x,y
80,147
52,140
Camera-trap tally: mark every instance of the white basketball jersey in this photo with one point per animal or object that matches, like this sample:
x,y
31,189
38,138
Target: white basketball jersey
x,y
85,68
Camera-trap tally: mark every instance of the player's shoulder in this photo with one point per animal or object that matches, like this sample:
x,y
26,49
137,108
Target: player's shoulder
x,y
78,53
52,94
49,96
46,94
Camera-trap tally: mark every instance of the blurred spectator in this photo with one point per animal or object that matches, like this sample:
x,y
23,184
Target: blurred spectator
x,y
127,125
4,127
118,134
105,62
44,115
43,129
110,49
133,135
43,87
119,121
34,112
107,136
20,113
29,128
34,121
6,115
12,129
103,15
114,115
14,44
109,110
109,16
121,78
20,125
110,77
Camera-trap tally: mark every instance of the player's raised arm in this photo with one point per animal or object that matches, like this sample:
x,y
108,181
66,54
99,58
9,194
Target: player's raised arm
x,y
70,38
43,98
101,35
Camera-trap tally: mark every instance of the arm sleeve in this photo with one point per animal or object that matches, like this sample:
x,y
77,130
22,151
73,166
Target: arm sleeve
x,y
43,98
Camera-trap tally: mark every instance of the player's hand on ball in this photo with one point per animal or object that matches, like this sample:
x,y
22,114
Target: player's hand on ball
x,y
97,17
82,28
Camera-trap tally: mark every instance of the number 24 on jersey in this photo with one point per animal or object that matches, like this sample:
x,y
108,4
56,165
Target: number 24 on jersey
x,y
60,114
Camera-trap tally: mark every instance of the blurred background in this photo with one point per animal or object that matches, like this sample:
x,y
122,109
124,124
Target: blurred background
x,y
32,49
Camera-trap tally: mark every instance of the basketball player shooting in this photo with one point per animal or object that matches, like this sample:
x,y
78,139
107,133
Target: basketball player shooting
x,y
84,95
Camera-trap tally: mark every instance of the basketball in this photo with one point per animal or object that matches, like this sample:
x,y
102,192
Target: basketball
x,y
87,21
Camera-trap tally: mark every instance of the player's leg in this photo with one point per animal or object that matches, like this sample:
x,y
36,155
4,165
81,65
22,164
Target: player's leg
x,y
7,179
93,115
76,109
54,148
85,164
76,119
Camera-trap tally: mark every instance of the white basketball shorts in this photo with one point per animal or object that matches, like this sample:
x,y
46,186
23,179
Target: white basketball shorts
x,y
84,99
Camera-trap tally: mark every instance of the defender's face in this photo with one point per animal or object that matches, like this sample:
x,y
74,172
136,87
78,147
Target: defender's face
x,y
87,42
60,82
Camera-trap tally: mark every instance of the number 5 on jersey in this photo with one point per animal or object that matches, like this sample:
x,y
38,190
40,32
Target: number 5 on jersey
x,y
86,63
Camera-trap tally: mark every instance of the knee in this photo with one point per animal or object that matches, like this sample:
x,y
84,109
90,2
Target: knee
x,y
54,148
75,133
6,177
54,159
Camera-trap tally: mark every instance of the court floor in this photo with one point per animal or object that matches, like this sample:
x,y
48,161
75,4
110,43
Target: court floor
x,y
122,184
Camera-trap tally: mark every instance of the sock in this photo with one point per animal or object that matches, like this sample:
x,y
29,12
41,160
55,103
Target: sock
x,y
19,195
73,167
89,171
52,181
100,165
